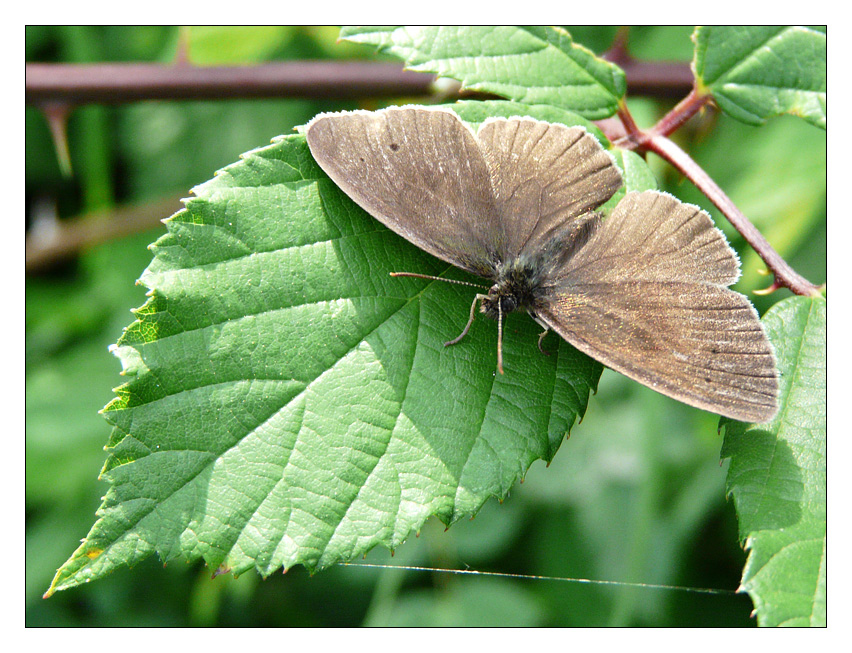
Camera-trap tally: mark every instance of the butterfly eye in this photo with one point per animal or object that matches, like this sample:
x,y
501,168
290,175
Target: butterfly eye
x,y
508,303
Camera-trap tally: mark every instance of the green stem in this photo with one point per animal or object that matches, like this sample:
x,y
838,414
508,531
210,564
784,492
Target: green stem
x,y
637,551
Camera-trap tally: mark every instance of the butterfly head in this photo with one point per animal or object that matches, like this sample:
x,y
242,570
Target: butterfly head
x,y
515,288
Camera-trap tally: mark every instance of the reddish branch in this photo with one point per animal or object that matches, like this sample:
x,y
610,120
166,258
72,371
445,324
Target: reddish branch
x,y
115,83
626,134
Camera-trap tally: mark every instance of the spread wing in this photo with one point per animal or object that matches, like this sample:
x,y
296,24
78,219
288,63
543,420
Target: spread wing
x,y
544,176
647,297
420,172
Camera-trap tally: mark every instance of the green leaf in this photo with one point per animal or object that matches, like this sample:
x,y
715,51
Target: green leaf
x,y
532,65
636,174
777,475
757,72
291,403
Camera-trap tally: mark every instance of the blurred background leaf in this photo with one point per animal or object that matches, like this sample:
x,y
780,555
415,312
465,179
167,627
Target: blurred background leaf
x,y
572,519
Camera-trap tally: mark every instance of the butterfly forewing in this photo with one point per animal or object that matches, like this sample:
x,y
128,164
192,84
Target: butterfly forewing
x,y
544,175
421,173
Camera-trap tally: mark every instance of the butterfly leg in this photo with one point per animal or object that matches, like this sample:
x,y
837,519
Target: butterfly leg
x,y
540,340
479,297
543,333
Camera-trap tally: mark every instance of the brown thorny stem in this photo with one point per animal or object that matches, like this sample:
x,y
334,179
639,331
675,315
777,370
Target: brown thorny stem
x,y
655,140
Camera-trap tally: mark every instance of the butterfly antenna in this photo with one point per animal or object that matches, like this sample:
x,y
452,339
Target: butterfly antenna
x,y
431,278
499,336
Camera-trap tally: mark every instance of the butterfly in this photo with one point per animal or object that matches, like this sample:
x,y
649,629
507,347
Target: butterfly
x,y
644,291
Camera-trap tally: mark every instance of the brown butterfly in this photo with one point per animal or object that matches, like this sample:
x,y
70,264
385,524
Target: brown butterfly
x,y
644,291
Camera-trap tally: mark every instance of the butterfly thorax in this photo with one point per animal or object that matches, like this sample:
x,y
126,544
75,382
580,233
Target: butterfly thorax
x,y
520,280
516,288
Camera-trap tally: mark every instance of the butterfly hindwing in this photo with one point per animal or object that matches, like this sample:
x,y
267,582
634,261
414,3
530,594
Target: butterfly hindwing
x,y
631,300
655,236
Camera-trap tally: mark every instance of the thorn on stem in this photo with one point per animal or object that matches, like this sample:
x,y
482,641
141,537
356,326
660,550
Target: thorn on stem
x,y
771,289
57,119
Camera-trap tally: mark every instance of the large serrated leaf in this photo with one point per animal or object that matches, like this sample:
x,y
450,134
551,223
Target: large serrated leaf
x,y
532,65
777,475
756,72
291,403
